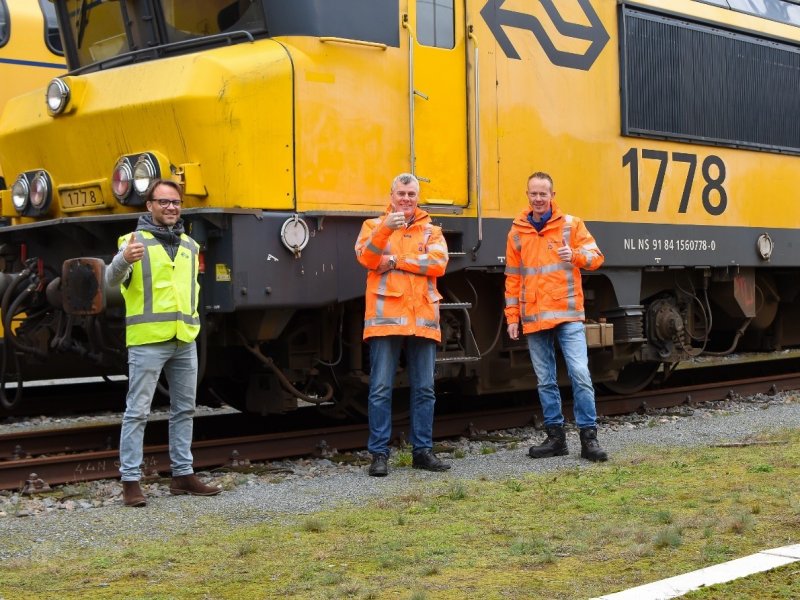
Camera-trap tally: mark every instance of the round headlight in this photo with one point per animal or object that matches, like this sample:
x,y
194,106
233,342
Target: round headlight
x,y
40,190
57,96
122,179
144,171
19,193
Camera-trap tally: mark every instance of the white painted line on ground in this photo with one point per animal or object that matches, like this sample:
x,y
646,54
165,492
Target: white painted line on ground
x,y
724,572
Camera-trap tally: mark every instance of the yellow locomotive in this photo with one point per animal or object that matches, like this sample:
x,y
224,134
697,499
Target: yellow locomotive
x,y
30,48
669,127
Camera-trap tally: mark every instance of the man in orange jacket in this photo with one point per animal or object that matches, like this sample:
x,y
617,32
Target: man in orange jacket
x,y
545,251
404,253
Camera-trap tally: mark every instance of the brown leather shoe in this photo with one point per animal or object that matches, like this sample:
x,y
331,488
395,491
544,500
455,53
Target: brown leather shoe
x,y
191,485
132,494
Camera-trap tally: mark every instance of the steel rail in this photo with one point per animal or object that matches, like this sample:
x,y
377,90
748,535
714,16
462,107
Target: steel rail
x,y
210,453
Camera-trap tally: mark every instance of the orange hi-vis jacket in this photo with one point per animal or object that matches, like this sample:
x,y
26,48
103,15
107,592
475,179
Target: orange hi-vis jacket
x,y
542,290
403,300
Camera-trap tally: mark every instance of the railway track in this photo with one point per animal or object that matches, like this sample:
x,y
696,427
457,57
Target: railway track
x,y
48,457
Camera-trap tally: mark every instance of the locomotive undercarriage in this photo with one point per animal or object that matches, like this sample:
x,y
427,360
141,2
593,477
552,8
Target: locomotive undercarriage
x,y
59,323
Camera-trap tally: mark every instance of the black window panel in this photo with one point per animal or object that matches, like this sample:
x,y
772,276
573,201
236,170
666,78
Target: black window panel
x,y
691,81
51,35
366,20
4,25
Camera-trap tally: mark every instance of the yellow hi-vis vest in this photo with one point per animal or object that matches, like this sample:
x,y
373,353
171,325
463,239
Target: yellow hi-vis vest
x,y
161,295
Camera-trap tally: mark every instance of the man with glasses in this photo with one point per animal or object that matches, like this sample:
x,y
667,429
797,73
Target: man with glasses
x,y
157,267
404,253
545,251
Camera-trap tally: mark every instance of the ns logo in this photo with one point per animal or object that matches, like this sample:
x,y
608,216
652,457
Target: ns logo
x,y
497,17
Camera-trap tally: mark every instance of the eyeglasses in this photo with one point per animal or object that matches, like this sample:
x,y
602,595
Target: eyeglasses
x,y
165,202
410,195
538,194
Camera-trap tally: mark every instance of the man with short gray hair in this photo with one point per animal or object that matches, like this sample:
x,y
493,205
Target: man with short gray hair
x,y
404,253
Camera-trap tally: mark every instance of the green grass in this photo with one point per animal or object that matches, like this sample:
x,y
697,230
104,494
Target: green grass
x,y
578,533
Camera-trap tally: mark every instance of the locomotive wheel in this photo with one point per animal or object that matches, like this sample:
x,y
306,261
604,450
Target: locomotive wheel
x,y
633,378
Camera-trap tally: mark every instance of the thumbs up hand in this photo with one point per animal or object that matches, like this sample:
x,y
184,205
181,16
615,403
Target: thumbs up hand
x,y
565,253
133,251
395,220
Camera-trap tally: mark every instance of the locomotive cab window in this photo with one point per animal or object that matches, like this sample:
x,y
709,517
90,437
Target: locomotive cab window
x,y
3,23
436,23
189,18
51,36
99,31
116,32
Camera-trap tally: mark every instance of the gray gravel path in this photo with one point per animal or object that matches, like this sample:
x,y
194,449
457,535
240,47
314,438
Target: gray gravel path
x,y
258,500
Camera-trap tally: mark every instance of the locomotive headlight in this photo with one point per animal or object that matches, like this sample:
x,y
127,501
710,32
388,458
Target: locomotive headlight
x,y
32,193
20,193
133,174
40,191
122,179
144,171
57,96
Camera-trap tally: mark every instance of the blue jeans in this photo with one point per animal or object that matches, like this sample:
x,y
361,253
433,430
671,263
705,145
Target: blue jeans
x,y
571,337
384,354
179,362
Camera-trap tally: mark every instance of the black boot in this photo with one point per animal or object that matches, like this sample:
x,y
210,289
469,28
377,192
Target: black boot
x,y
554,445
426,459
590,447
379,466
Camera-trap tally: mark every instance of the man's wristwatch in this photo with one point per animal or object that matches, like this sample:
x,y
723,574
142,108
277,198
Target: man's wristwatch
x,y
392,262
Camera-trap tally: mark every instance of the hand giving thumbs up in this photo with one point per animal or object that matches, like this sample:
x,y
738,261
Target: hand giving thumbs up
x,y
134,250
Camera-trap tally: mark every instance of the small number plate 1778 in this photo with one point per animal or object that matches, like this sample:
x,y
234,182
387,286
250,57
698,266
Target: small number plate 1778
x,y
82,198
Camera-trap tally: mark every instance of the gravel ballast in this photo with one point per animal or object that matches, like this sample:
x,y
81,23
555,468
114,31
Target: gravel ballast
x,y
50,525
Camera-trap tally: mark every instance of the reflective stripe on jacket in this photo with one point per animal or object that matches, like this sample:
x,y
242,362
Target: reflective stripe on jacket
x,y
541,290
403,300
161,295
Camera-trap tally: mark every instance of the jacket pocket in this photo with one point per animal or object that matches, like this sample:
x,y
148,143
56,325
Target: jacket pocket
x,y
434,297
389,293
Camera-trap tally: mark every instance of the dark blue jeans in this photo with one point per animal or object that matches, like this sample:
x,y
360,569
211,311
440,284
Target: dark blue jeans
x,y
384,354
571,337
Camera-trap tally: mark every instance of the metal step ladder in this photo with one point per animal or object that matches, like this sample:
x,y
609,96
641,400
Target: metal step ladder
x,y
468,348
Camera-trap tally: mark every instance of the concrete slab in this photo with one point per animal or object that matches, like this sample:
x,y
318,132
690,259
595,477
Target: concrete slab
x,y
721,573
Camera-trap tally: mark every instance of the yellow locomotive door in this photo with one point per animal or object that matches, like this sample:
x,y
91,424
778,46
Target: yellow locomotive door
x,y
437,100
